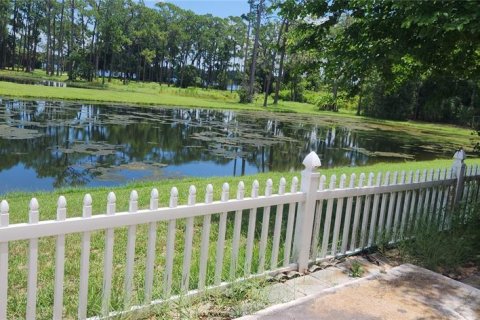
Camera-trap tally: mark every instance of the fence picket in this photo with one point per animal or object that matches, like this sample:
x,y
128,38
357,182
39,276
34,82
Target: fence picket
x,y
441,200
338,217
421,198
406,206
318,220
391,207
265,227
278,226
398,208
468,189
4,222
348,216
130,257
59,261
383,207
290,221
356,219
108,257
33,216
251,231
222,228
187,252
366,213
152,240
413,204
202,273
84,260
477,191
170,247
237,228
428,198
328,219
373,221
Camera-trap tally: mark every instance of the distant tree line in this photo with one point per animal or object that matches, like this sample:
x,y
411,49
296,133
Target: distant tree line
x,y
396,59
92,39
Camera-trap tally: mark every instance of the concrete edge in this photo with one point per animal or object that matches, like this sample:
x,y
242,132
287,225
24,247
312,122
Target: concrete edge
x,y
301,300
396,271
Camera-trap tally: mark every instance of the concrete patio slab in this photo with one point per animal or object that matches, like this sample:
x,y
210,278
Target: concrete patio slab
x,y
404,292
307,285
281,293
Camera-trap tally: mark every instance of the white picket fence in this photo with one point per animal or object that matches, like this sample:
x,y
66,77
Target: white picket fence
x,y
220,241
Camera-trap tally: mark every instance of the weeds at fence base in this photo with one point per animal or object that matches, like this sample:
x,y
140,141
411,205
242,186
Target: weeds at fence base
x,y
236,300
448,250
356,269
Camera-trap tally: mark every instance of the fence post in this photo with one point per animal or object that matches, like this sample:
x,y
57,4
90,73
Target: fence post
x,y
4,221
306,212
460,185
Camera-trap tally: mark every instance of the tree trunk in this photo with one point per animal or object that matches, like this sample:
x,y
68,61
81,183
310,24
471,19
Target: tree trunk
x,y
280,68
251,82
104,66
70,41
359,105
474,94
247,41
60,43
416,105
49,34
14,32
92,50
272,66
335,94
52,49
111,68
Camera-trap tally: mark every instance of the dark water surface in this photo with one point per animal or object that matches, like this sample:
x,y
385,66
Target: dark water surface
x,y
51,144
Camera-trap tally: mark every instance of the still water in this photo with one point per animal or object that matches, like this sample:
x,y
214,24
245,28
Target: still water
x,y
51,144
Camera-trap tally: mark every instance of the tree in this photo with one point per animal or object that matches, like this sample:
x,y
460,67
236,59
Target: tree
x,y
388,51
4,19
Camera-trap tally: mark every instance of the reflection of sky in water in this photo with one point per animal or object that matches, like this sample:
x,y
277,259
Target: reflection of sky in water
x,y
20,178
208,169
53,144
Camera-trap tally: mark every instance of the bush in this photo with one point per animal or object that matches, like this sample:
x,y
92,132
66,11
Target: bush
x,y
243,95
326,102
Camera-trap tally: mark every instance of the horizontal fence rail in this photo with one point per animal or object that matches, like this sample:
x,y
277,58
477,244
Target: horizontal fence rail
x,y
97,265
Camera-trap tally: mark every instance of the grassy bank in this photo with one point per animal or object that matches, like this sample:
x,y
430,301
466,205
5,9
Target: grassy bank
x,y
137,93
19,200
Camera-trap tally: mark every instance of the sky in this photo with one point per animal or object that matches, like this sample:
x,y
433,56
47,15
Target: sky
x,y
220,8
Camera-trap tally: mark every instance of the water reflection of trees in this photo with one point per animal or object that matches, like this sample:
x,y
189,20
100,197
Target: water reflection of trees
x,y
76,139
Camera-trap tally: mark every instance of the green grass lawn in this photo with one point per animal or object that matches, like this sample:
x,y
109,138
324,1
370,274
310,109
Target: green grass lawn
x,y
139,93
19,200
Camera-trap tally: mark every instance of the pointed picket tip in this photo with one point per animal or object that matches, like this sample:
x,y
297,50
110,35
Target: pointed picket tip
x,y
87,200
111,198
209,188
4,207
134,195
311,161
34,204
62,202
174,192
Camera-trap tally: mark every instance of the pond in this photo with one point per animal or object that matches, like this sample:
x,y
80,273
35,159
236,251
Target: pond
x,y
52,144
40,82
